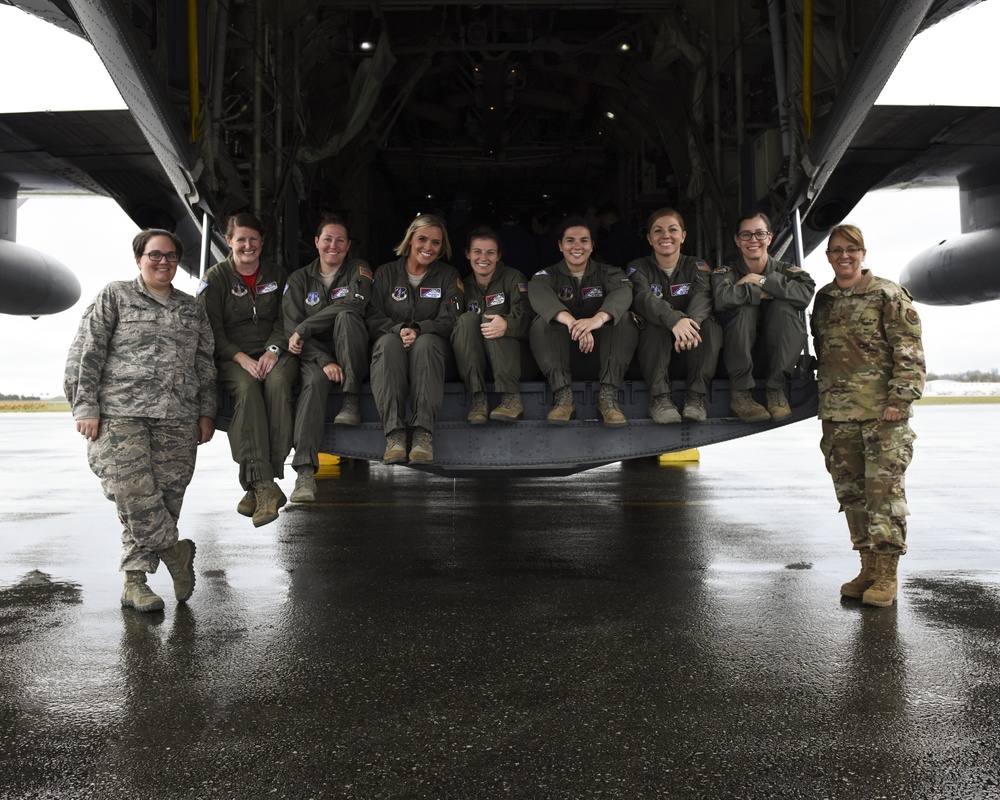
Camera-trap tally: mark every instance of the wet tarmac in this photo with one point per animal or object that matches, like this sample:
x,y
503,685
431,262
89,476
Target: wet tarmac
x,y
633,631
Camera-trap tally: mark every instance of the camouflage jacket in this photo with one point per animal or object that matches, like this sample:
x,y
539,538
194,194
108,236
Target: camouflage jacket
x,y
602,288
243,321
433,305
868,344
506,296
310,308
665,301
783,281
136,357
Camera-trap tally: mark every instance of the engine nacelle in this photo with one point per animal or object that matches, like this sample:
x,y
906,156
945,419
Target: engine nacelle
x,y
32,283
958,271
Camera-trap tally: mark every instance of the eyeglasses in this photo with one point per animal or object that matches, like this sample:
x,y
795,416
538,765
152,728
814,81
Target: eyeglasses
x,y
839,251
156,257
746,236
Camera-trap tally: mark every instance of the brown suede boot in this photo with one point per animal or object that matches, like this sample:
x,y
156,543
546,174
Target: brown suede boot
x,y
607,404
883,591
422,451
746,408
509,410
564,408
179,558
856,587
138,595
477,409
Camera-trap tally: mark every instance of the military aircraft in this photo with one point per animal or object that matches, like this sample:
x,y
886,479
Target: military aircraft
x,y
380,109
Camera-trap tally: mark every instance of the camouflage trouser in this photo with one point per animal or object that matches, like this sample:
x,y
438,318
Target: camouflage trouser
x,y
144,466
867,461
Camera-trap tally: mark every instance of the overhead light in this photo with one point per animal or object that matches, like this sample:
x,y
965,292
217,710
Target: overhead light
x,y
367,45
609,114
624,45
429,196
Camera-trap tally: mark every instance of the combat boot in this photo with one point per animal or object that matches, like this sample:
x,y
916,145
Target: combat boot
x,y
179,558
248,504
564,408
746,408
883,591
663,411
350,410
138,595
395,447
305,486
269,499
477,409
777,404
856,588
422,451
509,410
607,404
694,407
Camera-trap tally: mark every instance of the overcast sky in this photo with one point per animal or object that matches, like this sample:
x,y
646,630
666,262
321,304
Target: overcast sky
x,y
92,234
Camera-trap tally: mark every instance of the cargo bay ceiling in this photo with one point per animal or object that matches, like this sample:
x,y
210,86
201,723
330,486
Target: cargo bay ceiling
x,y
383,108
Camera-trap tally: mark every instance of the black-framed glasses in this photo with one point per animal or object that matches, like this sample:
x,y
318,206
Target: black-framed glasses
x,y
746,236
156,256
839,251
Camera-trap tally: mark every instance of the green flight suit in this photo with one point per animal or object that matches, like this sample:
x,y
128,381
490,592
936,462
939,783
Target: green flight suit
x,y
505,296
419,372
601,288
744,314
332,322
663,300
260,435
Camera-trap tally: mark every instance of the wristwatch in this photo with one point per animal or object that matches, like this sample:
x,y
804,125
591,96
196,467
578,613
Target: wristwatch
x,y
761,284
275,349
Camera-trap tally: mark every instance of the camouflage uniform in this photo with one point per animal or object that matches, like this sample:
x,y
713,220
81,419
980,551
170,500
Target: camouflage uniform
x,y
144,368
332,322
420,371
506,296
742,311
870,357
260,435
601,288
662,302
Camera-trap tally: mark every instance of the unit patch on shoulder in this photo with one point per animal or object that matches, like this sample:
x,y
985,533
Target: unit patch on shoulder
x,y
702,266
365,272
430,292
542,272
631,271
312,299
202,286
239,290
591,292
912,317
495,299
268,287
720,271
339,291
400,293
285,290
680,289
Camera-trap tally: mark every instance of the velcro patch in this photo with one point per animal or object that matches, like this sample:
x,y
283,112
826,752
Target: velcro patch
x,y
430,292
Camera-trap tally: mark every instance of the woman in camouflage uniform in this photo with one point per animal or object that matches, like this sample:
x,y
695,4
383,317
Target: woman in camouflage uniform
x,y
141,383
871,369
